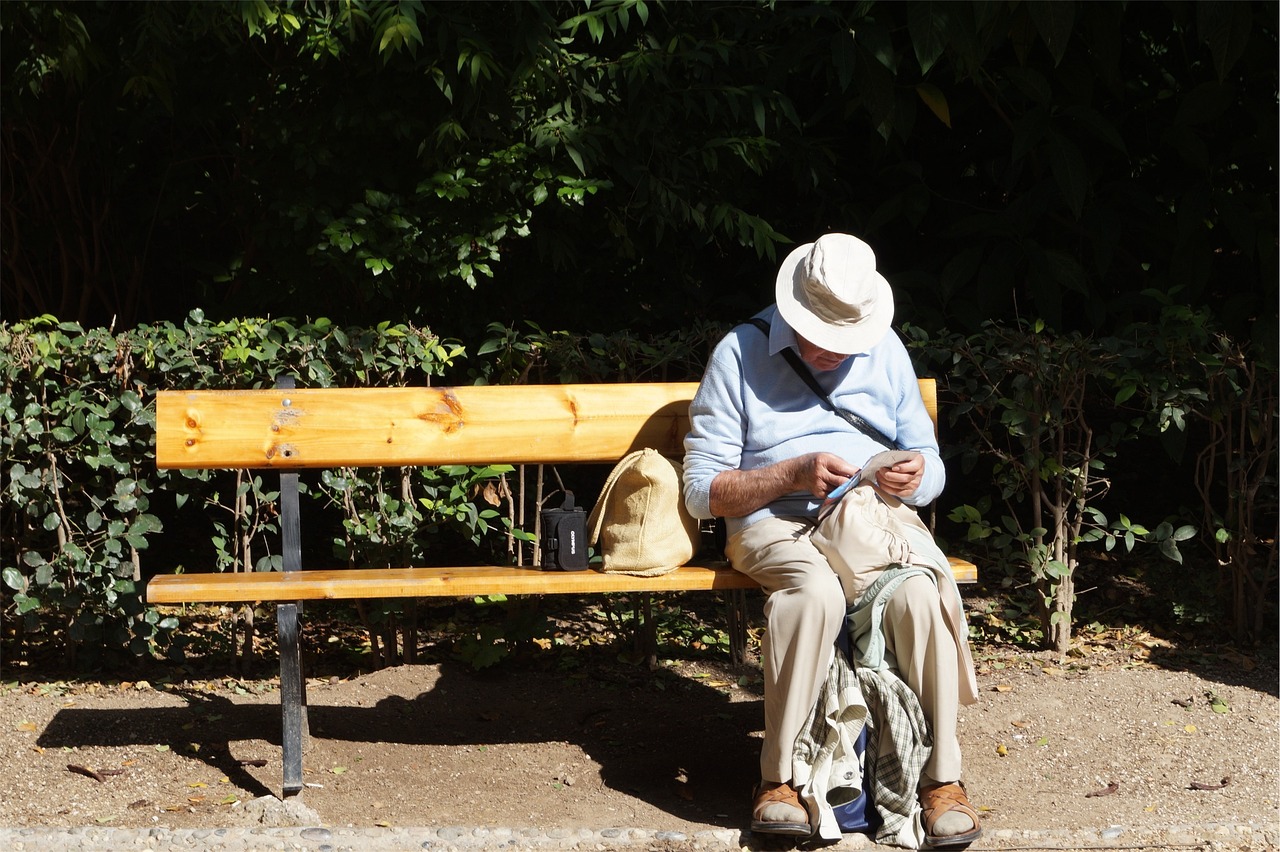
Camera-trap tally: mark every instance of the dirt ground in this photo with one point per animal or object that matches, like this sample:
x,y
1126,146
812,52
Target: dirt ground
x,y
1129,730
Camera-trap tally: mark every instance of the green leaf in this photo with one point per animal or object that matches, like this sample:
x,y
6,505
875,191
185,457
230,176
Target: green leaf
x,y
1225,27
13,579
1169,550
1062,271
935,100
1054,21
1056,570
927,25
1105,130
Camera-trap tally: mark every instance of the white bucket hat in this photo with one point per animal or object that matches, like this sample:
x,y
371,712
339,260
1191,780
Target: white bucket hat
x,y
829,292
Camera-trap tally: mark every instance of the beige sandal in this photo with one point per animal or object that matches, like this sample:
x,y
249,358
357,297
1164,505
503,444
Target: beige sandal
x,y
782,795
938,799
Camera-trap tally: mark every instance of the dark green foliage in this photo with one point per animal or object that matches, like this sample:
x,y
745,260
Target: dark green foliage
x,y
629,171
1044,413
626,164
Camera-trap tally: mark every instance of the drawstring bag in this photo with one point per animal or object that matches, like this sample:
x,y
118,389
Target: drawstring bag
x,y
863,534
640,519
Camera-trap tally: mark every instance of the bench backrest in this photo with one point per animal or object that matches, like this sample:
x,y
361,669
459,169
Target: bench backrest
x,y
339,427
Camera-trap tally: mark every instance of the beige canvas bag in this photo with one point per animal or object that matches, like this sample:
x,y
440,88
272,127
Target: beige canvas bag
x,y
640,519
863,535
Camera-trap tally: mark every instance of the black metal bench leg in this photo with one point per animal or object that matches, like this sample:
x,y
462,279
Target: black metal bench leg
x,y
645,637
293,697
293,688
738,626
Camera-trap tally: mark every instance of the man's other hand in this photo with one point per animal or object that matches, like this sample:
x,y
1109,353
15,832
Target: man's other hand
x,y
902,479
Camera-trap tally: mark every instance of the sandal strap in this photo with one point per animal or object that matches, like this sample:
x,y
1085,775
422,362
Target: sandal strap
x,y
782,794
939,799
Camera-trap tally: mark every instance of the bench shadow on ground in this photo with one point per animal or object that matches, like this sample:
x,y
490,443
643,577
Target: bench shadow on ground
x,y
208,728
676,743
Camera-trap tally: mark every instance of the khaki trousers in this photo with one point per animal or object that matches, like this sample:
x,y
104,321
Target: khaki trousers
x,y
804,609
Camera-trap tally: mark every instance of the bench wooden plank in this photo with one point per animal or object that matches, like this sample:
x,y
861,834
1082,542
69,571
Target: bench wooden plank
x,y
445,582
427,583
338,427
333,427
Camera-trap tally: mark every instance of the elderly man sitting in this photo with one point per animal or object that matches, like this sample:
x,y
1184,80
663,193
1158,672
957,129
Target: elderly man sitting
x,y
764,452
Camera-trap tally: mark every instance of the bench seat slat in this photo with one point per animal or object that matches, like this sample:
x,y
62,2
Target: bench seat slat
x,y
443,582
425,582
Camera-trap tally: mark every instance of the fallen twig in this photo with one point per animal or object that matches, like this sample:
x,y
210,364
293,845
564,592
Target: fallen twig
x,y
98,775
86,771
1105,791
1197,785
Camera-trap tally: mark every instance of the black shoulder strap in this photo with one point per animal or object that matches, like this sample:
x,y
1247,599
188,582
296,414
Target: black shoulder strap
x,y
803,372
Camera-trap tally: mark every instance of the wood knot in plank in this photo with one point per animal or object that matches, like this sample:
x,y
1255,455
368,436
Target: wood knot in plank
x,y
447,414
284,451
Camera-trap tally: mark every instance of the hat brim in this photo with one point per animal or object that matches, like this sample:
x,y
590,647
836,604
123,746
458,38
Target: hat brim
x,y
793,305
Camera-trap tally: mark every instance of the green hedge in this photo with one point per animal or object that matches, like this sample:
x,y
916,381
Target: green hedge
x,y
80,483
83,510
83,506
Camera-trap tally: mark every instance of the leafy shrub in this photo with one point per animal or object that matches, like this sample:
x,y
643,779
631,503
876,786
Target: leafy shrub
x,y
1046,416
82,504
1216,400
77,496
78,454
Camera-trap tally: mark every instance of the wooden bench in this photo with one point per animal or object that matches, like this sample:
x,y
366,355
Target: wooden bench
x,y
292,429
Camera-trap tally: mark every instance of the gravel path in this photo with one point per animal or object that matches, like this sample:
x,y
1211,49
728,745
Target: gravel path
x,y
318,839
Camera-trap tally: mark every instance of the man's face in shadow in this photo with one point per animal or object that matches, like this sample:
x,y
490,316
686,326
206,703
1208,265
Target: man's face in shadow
x,y
818,358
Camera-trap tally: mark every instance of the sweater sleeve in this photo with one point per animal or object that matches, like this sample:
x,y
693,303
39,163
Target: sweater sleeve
x,y
716,427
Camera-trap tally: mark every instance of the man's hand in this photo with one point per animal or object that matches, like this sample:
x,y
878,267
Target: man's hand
x,y
821,473
903,478
735,493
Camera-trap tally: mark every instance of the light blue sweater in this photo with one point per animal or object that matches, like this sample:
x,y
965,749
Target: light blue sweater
x,y
752,410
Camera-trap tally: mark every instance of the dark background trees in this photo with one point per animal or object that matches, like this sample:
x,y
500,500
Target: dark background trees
x,y
635,164
553,183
